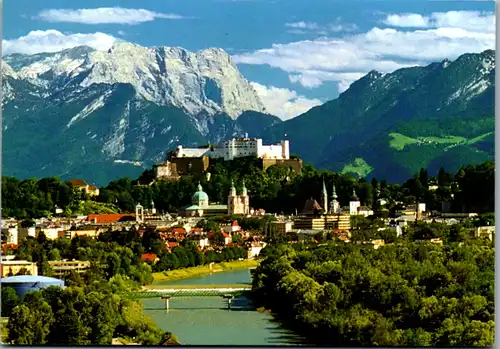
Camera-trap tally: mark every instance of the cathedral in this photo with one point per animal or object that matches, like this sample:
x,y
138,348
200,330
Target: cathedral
x,y
238,204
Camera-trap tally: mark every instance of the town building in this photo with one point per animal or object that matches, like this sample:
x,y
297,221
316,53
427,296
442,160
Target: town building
x,y
64,267
238,204
80,184
200,206
318,218
11,267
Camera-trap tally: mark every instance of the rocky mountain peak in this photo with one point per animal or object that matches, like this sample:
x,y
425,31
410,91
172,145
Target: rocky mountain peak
x,y
202,82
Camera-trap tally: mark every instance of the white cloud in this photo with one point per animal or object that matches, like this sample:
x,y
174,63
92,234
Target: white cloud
x,y
53,41
343,27
303,25
407,20
345,59
482,22
282,102
104,15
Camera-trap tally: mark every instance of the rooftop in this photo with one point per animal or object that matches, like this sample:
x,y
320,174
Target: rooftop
x,y
29,278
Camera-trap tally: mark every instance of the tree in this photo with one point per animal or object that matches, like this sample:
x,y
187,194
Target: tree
x,y
10,300
29,323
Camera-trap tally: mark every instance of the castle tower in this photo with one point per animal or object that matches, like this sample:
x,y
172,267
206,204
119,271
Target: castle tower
x,y
324,197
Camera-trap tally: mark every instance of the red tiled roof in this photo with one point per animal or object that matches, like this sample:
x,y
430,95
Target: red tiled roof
x,y
78,182
147,257
92,187
110,218
196,230
179,230
6,247
235,224
172,244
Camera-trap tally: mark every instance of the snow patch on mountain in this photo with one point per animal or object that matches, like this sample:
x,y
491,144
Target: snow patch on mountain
x,y
206,81
90,108
115,145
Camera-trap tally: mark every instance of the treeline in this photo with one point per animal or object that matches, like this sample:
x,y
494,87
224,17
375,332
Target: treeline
x,y
405,294
277,189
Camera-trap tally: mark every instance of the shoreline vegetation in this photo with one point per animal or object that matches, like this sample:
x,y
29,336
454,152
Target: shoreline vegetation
x,y
191,272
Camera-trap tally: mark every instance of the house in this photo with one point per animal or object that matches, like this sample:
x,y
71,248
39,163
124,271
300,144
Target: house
x,y
255,248
225,236
10,267
485,231
64,267
109,218
80,184
149,258
10,233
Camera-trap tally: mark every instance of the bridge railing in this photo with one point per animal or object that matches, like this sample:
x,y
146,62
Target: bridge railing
x,y
188,293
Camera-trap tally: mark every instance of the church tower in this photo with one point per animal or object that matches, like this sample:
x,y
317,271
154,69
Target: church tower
x,y
245,199
334,204
324,198
354,204
231,198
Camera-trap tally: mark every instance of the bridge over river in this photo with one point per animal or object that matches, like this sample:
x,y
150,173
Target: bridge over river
x,y
190,292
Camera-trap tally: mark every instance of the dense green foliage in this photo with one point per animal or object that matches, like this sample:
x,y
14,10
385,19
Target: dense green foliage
x,y
32,198
278,189
403,294
91,311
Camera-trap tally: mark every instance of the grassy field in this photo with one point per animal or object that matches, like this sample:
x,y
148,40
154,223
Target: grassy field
x,y
185,273
358,166
400,141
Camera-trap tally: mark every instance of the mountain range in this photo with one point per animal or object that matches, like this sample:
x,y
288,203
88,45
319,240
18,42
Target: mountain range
x,y
82,113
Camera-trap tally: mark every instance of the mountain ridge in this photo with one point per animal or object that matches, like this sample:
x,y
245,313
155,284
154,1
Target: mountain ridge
x,y
99,126
459,92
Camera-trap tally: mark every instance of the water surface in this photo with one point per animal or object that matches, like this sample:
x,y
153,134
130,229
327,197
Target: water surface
x,y
208,321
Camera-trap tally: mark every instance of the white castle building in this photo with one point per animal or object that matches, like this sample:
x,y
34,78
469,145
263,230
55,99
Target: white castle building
x,y
239,147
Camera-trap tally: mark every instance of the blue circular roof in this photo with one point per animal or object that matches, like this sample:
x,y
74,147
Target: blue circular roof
x,y
29,278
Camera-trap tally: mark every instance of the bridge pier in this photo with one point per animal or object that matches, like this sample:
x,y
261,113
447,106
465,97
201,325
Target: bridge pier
x,y
167,302
229,298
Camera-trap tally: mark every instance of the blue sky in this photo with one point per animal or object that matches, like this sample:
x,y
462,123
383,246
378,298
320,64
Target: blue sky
x,y
297,53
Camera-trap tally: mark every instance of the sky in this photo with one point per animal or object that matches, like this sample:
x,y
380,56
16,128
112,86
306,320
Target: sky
x,y
297,54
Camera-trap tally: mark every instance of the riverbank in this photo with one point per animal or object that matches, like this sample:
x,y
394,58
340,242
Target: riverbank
x,y
186,273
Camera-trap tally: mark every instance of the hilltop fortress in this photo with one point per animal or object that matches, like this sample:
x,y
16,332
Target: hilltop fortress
x,y
188,161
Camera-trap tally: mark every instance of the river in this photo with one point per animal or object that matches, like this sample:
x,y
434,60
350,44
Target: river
x,y
207,321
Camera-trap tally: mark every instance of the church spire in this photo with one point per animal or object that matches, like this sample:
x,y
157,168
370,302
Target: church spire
x,y
200,188
232,190
354,196
334,193
324,197
244,189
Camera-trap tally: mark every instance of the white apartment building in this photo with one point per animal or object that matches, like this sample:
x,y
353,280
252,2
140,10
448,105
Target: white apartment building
x,y
239,147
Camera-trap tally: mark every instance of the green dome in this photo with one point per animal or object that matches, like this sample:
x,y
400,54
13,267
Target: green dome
x,y
200,195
